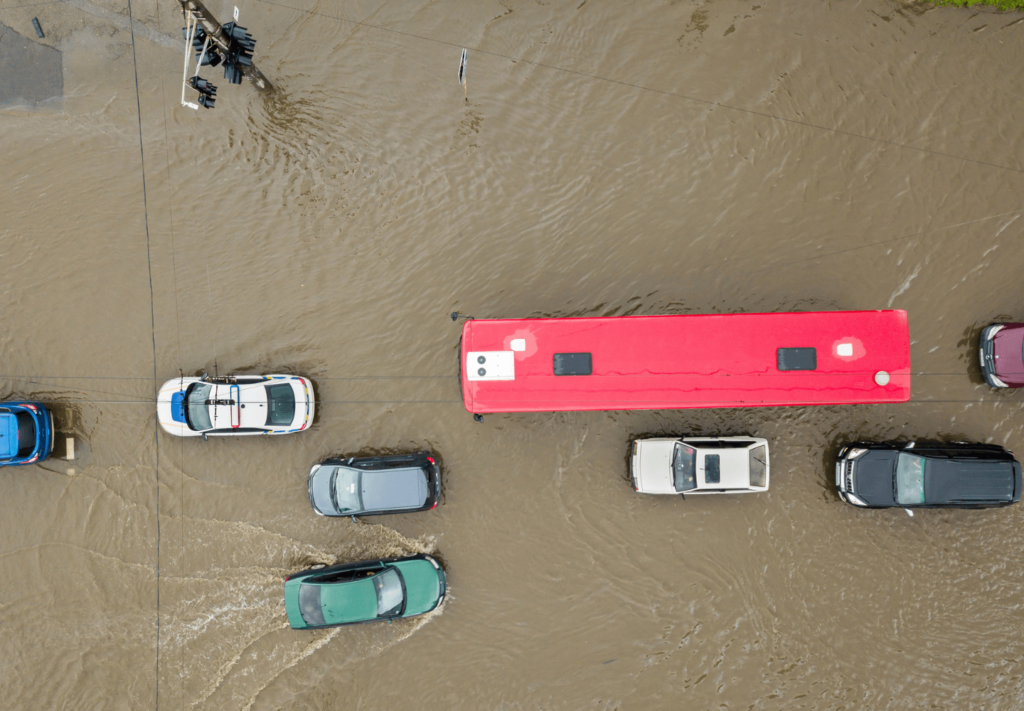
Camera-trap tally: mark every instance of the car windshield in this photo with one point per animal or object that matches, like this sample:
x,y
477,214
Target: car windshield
x,y
280,404
390,595
910,479
309,605
684,467
346,490
197,414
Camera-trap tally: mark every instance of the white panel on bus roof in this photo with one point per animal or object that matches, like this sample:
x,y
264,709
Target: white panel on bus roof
x,y
490,365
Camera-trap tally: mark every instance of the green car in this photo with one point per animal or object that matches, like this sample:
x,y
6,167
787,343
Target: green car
x,y
369,591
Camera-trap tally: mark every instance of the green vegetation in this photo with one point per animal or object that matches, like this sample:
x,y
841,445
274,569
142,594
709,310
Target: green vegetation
x,y
998,4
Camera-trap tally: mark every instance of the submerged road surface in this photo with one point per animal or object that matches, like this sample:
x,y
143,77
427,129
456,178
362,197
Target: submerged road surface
x,y
624,158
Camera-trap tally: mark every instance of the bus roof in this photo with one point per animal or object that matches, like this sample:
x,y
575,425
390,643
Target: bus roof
x,y
668,362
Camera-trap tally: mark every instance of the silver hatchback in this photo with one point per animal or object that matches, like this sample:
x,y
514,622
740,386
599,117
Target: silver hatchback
x,y
368,486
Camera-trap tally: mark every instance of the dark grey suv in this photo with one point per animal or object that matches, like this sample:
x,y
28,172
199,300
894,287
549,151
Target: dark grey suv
x,y
367,486
927,474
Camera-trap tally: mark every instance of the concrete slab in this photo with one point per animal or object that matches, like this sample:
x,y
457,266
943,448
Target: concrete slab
x,y
30,72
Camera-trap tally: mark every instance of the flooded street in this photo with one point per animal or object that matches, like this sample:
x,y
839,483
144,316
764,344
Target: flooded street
x,y
659,157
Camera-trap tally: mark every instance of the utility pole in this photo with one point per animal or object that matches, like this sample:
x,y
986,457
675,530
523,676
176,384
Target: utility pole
x,y
231,42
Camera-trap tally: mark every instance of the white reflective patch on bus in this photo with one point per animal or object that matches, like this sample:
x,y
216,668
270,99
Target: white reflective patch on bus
x,y
490,365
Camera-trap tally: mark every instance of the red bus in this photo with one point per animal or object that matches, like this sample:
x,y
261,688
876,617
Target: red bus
x,y
668,362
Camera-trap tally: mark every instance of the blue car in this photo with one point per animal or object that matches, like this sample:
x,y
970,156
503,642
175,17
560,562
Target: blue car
x,y
26,433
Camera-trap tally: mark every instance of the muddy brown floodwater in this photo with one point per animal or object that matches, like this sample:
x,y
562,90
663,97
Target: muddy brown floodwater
x,y
612,158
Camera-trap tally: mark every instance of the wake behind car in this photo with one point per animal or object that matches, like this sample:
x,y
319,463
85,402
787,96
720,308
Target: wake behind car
x,y
366,486
370,591
699,465
921,474
235,405
26,433
1002,355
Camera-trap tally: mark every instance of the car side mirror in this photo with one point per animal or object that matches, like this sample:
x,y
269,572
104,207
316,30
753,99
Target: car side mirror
x,y
683,497
203,377
205,438
910,445
353,519
909,513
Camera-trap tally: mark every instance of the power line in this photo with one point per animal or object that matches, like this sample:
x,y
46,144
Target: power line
x,y
317,379
240,375
152,315
880,242
316,403
641,87
87,394
693,404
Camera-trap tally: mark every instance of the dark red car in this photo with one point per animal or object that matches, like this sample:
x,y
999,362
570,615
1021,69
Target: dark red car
x,y
1002,355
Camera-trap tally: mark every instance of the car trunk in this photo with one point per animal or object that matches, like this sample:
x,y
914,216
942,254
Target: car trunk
x,y
1009,359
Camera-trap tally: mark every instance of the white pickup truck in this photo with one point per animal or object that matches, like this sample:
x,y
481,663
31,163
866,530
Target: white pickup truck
x,y
699,465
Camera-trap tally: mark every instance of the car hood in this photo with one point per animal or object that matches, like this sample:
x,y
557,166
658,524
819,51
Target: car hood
x,y
654,468
394,489
423,585
8,435
320,489
873,477
169,410
947,481
1007,346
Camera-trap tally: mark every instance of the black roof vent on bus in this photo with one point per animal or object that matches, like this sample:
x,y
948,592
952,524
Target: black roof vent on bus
x,y
573,364
797,358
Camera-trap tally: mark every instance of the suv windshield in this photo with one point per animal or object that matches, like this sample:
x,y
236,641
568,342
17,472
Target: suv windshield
x,y
684,467
910,479
390,593
197,415
309,605
346,490
280,404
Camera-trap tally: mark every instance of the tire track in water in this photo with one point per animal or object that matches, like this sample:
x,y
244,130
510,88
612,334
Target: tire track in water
x,y
228,622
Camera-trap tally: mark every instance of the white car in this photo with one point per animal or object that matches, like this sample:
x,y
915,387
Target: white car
x,y
235,405
699,465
